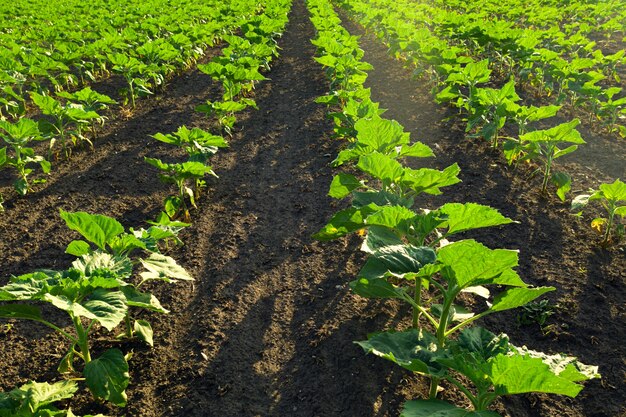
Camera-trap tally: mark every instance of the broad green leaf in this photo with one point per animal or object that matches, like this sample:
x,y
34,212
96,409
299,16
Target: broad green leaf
x,y
342,185
520,374
615,191
344,222
439,408
380,198
381,167
378,237
563,183
565,132
42,394
24,288
108,307
135,298
73,308
392,217
3,157
480,341
107,377
20,311
517,297
467,216
164,268
469,263
397,259
417,150
143,330
412,349
95,228
380,135
102,264
426,180
375,288
78,248
567,367
563,152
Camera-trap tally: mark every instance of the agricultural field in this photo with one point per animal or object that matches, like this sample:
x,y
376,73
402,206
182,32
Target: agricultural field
x,y
313,208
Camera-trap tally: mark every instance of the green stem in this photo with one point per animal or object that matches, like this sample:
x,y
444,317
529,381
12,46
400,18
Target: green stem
x,y
609,224
417,297
475,402
546,174
434,385
83,341
466,322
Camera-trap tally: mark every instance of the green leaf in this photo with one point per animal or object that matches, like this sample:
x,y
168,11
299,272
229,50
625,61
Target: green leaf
x,y
343,185
143,330
107,307
417,150
563,183
376,288
381,167
96,228
392,217
3,157
20,311
107,377
426,180
41,394
380,135
469,263
164,268
398,260
78,248
517,297
520,374
439,408
344,222
63,303
135,298
102,264
468,216
413,350
480,341
378,237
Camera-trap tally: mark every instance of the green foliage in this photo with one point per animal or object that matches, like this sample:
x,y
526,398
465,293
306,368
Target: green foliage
x,y
35,399
19,136
612,198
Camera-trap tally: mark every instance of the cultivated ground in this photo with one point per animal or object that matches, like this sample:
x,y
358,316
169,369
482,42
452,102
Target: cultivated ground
x,y
267,328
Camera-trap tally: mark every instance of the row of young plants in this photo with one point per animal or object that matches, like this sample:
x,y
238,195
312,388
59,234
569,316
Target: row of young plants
x,y
104,288
72,119
607,19
107,282
548,63
238,70
497,115
446,284
61,47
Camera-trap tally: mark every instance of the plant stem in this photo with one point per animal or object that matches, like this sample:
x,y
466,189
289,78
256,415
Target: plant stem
x,y
417,297
609,224
434,385
465,391
82,342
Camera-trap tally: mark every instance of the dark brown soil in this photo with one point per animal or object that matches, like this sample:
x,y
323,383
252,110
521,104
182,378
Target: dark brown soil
x,y
267,328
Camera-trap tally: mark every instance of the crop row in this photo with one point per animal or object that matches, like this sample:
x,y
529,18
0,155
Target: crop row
x,y
144,51
464,60
546,63
59,48
411,256
106,284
